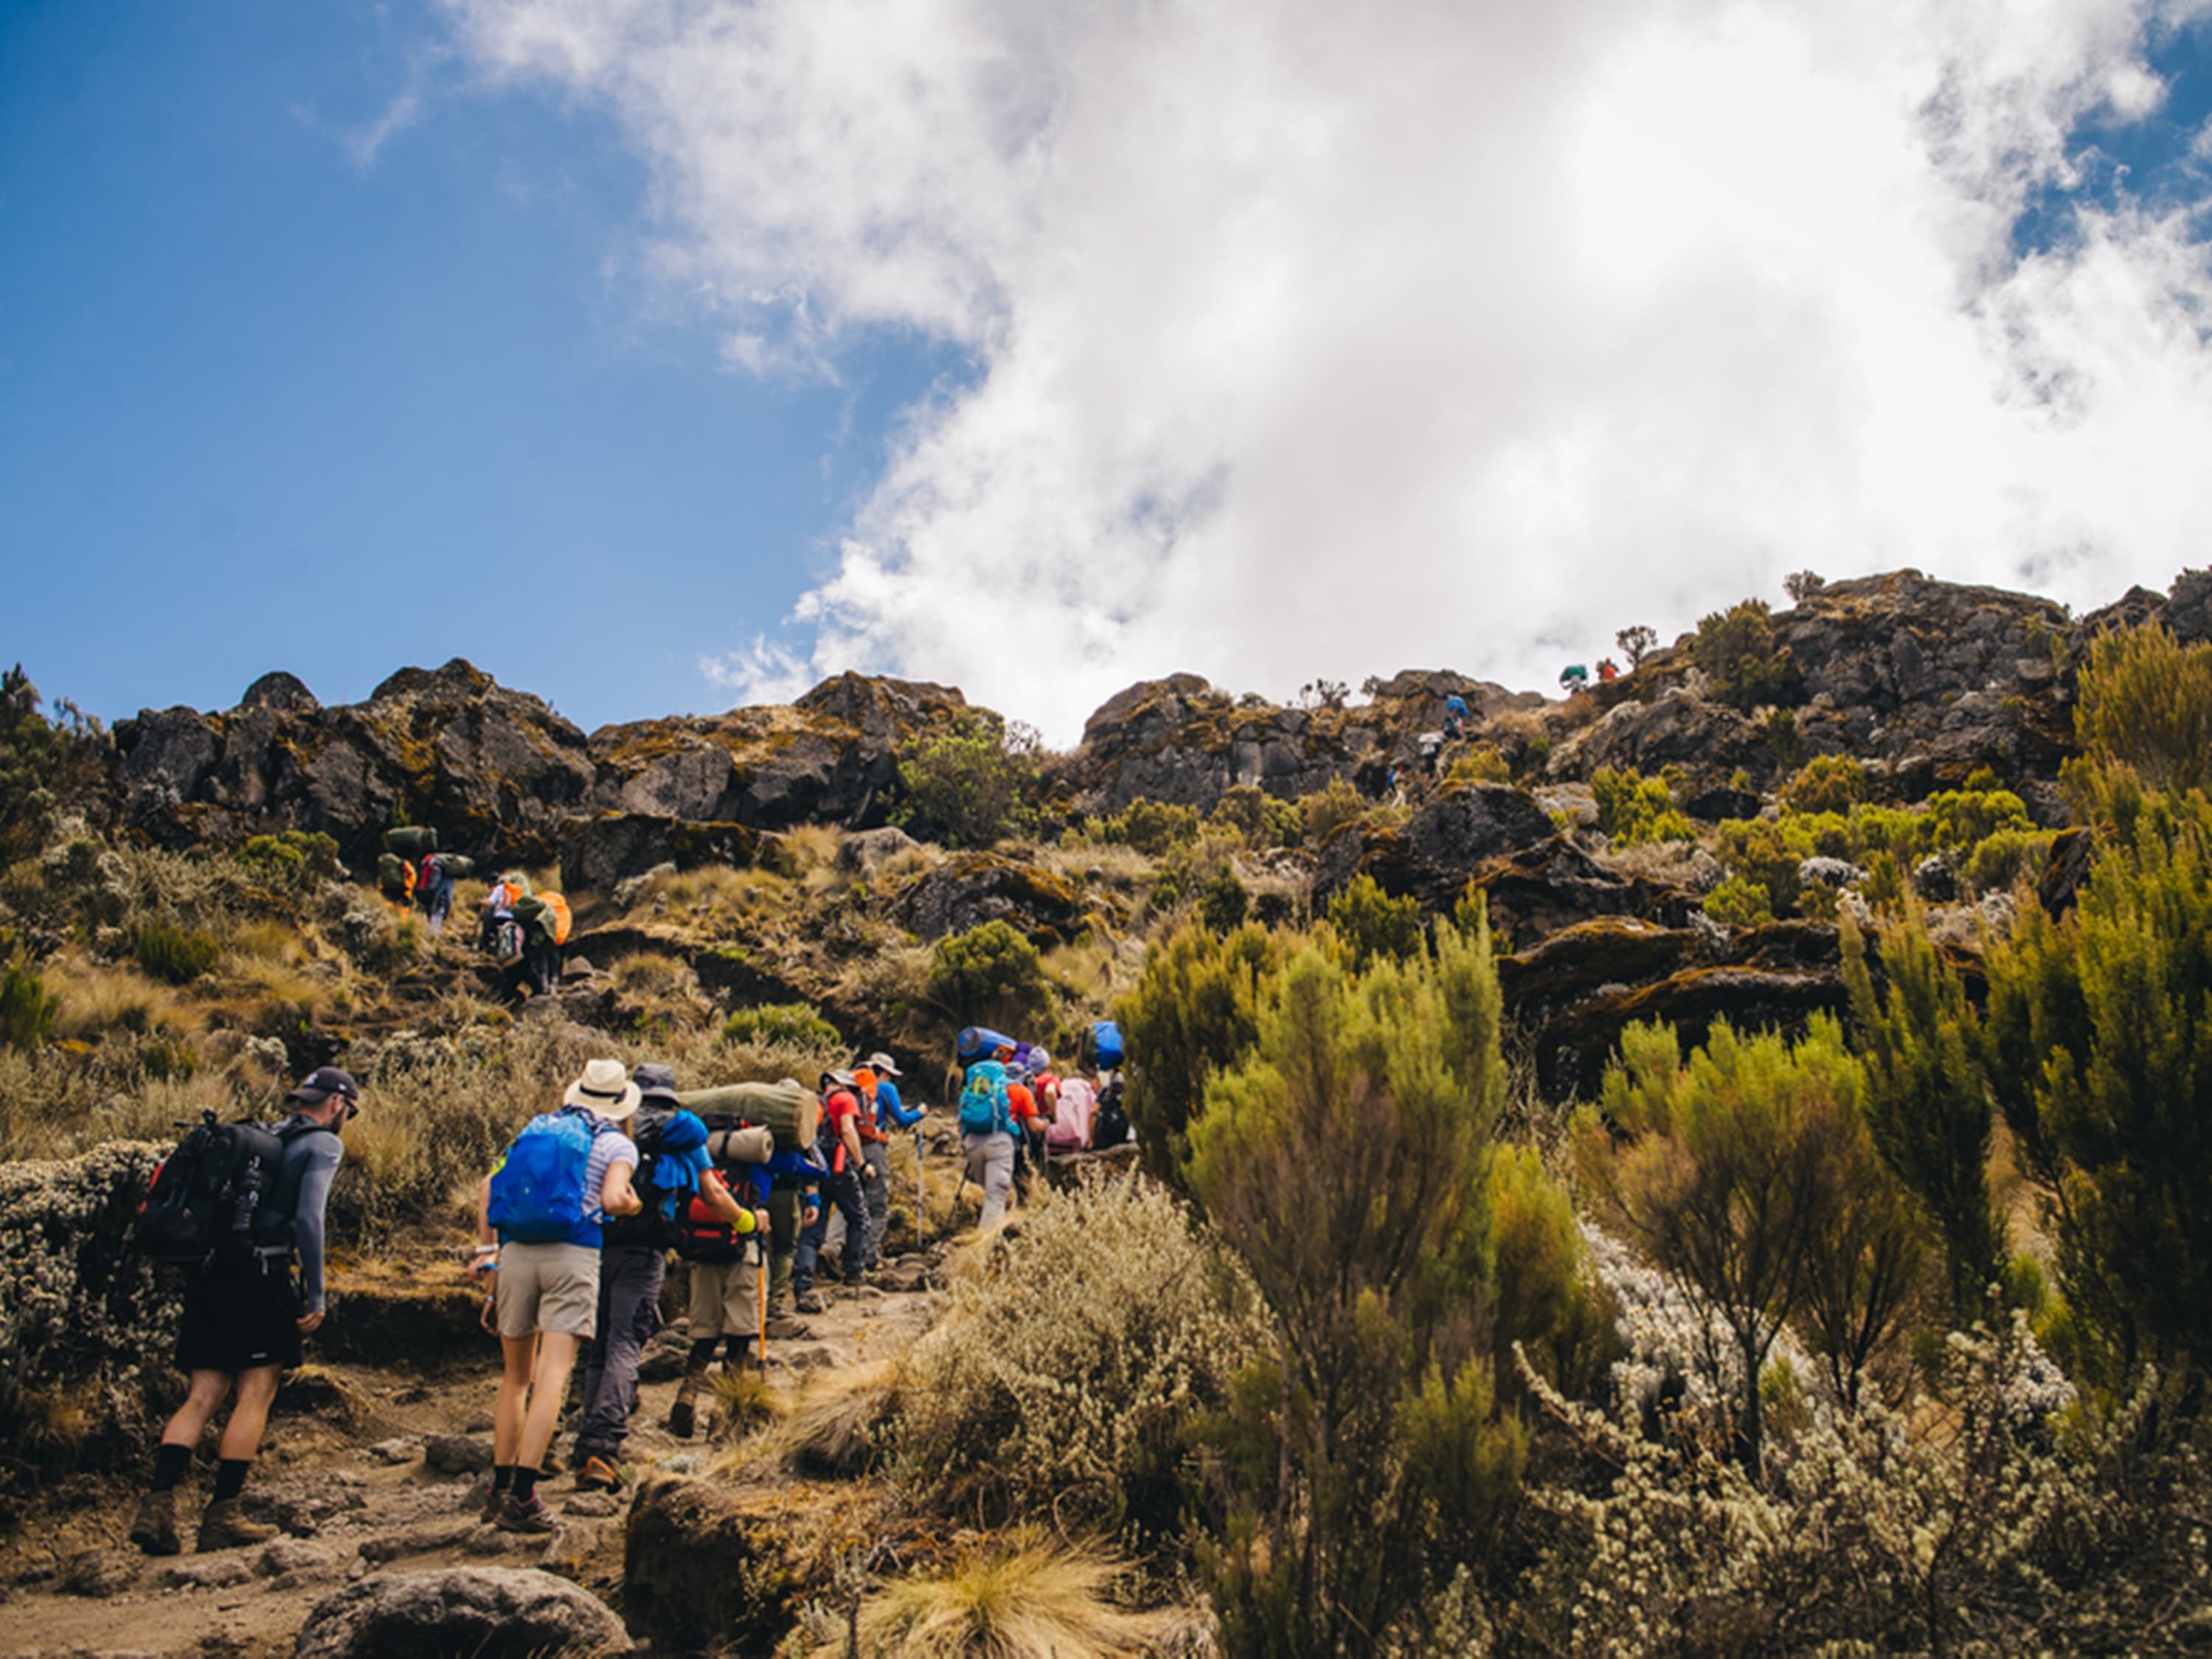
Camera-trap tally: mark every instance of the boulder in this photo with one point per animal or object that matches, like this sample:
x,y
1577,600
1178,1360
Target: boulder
x,y
1708,741
484,1613
280,691
598,854
1431,855
1572,1048
456,1454
860,853
970,889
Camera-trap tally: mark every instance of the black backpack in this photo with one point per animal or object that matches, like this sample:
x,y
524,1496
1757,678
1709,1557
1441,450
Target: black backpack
x,y
1110,1125
204,1199
649,1226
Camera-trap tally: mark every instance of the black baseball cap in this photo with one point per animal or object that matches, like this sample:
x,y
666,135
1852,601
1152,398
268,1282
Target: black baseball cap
x,y
324,1082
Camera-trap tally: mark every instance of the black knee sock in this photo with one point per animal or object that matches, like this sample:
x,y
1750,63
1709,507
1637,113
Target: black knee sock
x,y
526,1482
230,1477
502,1476
737,1347
702,1350
170,1463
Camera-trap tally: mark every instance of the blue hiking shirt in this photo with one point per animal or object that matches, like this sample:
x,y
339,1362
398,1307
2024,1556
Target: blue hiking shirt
x,y
891,1111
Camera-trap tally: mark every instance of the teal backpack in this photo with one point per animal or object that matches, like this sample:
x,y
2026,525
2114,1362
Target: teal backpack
x,y
985,1107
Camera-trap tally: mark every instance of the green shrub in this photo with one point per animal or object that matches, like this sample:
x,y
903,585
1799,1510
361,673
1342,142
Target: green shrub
x,y
27,1010
47,766
1194,1012
972,783
1534,753
1961,818
1152,827
2145,700
1326,809
1743,665
1481,764
799,1024
277,861
1633,809
1739,903
991,975
1767,852
174,955
1828,783
1262,820
1224,904
1372,924
2001,859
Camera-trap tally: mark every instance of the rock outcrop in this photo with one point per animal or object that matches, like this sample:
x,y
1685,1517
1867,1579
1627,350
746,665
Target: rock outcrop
x,y
1431,855
482,1612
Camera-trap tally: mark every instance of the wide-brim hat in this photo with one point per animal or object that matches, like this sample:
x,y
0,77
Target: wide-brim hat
x,y
882,1066
604,1091
655,1081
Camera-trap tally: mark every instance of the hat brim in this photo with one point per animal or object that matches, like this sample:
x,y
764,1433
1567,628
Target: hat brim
x,y
614,1109
659,1097
317,1097
882,1066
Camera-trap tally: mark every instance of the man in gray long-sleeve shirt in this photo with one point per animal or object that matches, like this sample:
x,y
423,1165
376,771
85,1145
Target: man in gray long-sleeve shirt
x,y
244,1319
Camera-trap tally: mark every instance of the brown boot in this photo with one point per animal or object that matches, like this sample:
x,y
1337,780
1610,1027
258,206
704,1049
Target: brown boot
x,y
683,1415
224,1527
154,1531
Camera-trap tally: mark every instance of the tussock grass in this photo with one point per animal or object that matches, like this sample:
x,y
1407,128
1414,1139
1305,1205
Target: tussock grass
x,y
96,1000
1016,1598
743,1402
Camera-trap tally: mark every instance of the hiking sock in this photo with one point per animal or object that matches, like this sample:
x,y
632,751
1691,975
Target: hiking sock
x,y
230,1478
738,1348
170,1463
526,1482
502,1476
702,1351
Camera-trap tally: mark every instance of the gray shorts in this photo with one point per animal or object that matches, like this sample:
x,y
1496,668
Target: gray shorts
x,y
725,1299
548,1287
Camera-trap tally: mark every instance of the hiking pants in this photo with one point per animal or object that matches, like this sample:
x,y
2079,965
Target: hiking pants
x,y
541,966
784,1205
629,1295
991,1166
876,1182
437,904
842,1192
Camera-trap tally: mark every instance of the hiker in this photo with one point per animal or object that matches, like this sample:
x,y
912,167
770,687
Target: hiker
x,y
1454,717
540,1219
1067,1105
1573,677
839,1145
989,1123
882,1112
433,889
1607,670
673,1167
794,1201
722,1232
395,879
244,1319
545,921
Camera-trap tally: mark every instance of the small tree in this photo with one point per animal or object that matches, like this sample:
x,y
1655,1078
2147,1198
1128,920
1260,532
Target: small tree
x,y
1194,1012
1802,585
1324,694
1372,924
1636,642
971,782
1223,902
1927,1105
990,975
1741,661
2146,701
1728,1177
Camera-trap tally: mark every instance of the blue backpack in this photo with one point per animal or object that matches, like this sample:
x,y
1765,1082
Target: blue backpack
x,y
1106,1045
986,1109
537,1194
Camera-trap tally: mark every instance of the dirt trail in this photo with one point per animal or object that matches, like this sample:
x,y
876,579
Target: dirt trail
x,y
344,1474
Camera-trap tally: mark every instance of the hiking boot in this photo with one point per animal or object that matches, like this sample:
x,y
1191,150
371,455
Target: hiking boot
x,y
495,1501
598,1475
530,1517
224,1526
809,1303
682,1416
155,1530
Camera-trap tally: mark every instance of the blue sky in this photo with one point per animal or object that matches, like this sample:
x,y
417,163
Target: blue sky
x,y
660,355
266,403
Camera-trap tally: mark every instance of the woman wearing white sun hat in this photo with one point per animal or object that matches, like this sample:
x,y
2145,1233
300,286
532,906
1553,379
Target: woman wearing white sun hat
x,y
538,1219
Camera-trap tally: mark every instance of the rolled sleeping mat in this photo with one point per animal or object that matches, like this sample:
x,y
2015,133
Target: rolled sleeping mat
x,y
753,1145
979,1042
792,1114
411,841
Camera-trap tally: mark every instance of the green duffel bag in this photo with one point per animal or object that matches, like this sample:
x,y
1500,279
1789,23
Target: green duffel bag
x,y
392,875
411,841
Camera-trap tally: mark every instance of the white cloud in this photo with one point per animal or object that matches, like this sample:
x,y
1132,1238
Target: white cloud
x,y
1317,339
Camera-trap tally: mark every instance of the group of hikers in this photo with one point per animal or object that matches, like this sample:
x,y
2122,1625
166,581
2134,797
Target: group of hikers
x,y
524,932
574,1227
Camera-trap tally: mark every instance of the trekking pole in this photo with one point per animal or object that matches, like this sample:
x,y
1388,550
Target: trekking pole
x,y
921,1194
760,1298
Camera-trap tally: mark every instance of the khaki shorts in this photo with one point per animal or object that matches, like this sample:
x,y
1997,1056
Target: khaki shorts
x,y
725,1299
548,1287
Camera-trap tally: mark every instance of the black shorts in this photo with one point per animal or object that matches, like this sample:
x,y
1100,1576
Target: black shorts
x,y
238,1317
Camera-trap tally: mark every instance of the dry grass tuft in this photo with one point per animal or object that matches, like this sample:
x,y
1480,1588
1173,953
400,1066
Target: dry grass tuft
x,y
840,1423
743,1403
1016,1598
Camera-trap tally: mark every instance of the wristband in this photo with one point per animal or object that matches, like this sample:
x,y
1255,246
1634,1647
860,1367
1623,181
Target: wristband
x,y
487,1249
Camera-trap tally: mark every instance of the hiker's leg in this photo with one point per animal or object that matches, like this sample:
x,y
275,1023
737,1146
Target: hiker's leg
x,y
810,1242
517,1355
556,1352
629,1280
592,1363
853,1204
998,1160
203,1397
241,1435
877,1157
782,1244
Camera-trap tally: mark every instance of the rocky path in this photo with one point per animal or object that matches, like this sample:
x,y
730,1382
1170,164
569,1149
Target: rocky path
x,y
374,1468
